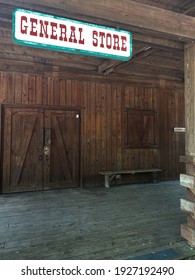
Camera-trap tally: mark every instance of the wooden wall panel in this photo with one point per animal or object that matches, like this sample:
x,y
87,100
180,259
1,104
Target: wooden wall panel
x,y
108,127
3,87
39,90
103,127
92,140
31,90
103,106
25,88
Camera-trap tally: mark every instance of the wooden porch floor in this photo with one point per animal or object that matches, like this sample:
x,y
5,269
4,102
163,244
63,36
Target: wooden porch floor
x,y
117,223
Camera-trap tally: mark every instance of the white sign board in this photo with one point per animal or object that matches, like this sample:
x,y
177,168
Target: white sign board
x,y
179,129
62,34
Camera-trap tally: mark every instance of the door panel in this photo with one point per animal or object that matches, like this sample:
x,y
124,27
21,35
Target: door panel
x,y
61,167
22,166
41,149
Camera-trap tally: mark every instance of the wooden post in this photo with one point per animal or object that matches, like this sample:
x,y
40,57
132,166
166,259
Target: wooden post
x,y
188,180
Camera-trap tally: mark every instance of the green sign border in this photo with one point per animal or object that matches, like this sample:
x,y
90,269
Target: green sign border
x,y
65,49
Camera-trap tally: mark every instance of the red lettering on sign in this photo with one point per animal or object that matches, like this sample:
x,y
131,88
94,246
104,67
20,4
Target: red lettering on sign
x,y
33,31
24,27
81,41
102,36
72,38
44,29
95,40
53,30
116,42
108,41
62,33
124,41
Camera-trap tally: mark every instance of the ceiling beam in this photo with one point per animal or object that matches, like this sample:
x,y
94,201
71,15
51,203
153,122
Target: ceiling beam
x,y
161,43
126,12
109,65
146,51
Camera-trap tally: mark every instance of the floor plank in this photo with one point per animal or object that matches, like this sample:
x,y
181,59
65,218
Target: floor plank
x,y
117,223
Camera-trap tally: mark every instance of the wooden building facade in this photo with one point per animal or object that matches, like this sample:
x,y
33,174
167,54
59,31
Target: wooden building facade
x,y
66,117
94,120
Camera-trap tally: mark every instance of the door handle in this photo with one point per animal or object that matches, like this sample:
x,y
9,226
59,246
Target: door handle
x,y
46,153
46,150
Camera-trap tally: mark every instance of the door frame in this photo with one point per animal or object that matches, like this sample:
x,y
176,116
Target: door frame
x,y
3,106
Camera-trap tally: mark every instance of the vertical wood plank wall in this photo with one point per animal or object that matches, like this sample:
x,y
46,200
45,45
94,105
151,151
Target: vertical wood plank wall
x,y
103,120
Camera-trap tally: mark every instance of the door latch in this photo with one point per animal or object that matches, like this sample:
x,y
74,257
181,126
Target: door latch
x,y
46,150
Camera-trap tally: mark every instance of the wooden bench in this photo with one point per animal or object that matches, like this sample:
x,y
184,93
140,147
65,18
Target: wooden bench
x,y
109,175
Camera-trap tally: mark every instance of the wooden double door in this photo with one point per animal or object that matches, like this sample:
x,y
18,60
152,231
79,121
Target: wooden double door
x,y
40,149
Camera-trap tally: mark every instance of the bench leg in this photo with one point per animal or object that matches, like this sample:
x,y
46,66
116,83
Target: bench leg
x,y
155,177
107,181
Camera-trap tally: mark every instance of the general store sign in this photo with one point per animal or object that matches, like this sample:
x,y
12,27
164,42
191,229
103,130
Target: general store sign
x,y
62,34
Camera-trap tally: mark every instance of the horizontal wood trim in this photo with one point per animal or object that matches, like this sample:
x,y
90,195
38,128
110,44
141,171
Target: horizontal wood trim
x,y
34,106
47,71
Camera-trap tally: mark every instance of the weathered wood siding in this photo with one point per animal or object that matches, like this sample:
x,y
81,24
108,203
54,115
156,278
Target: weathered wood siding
x,y
103,121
